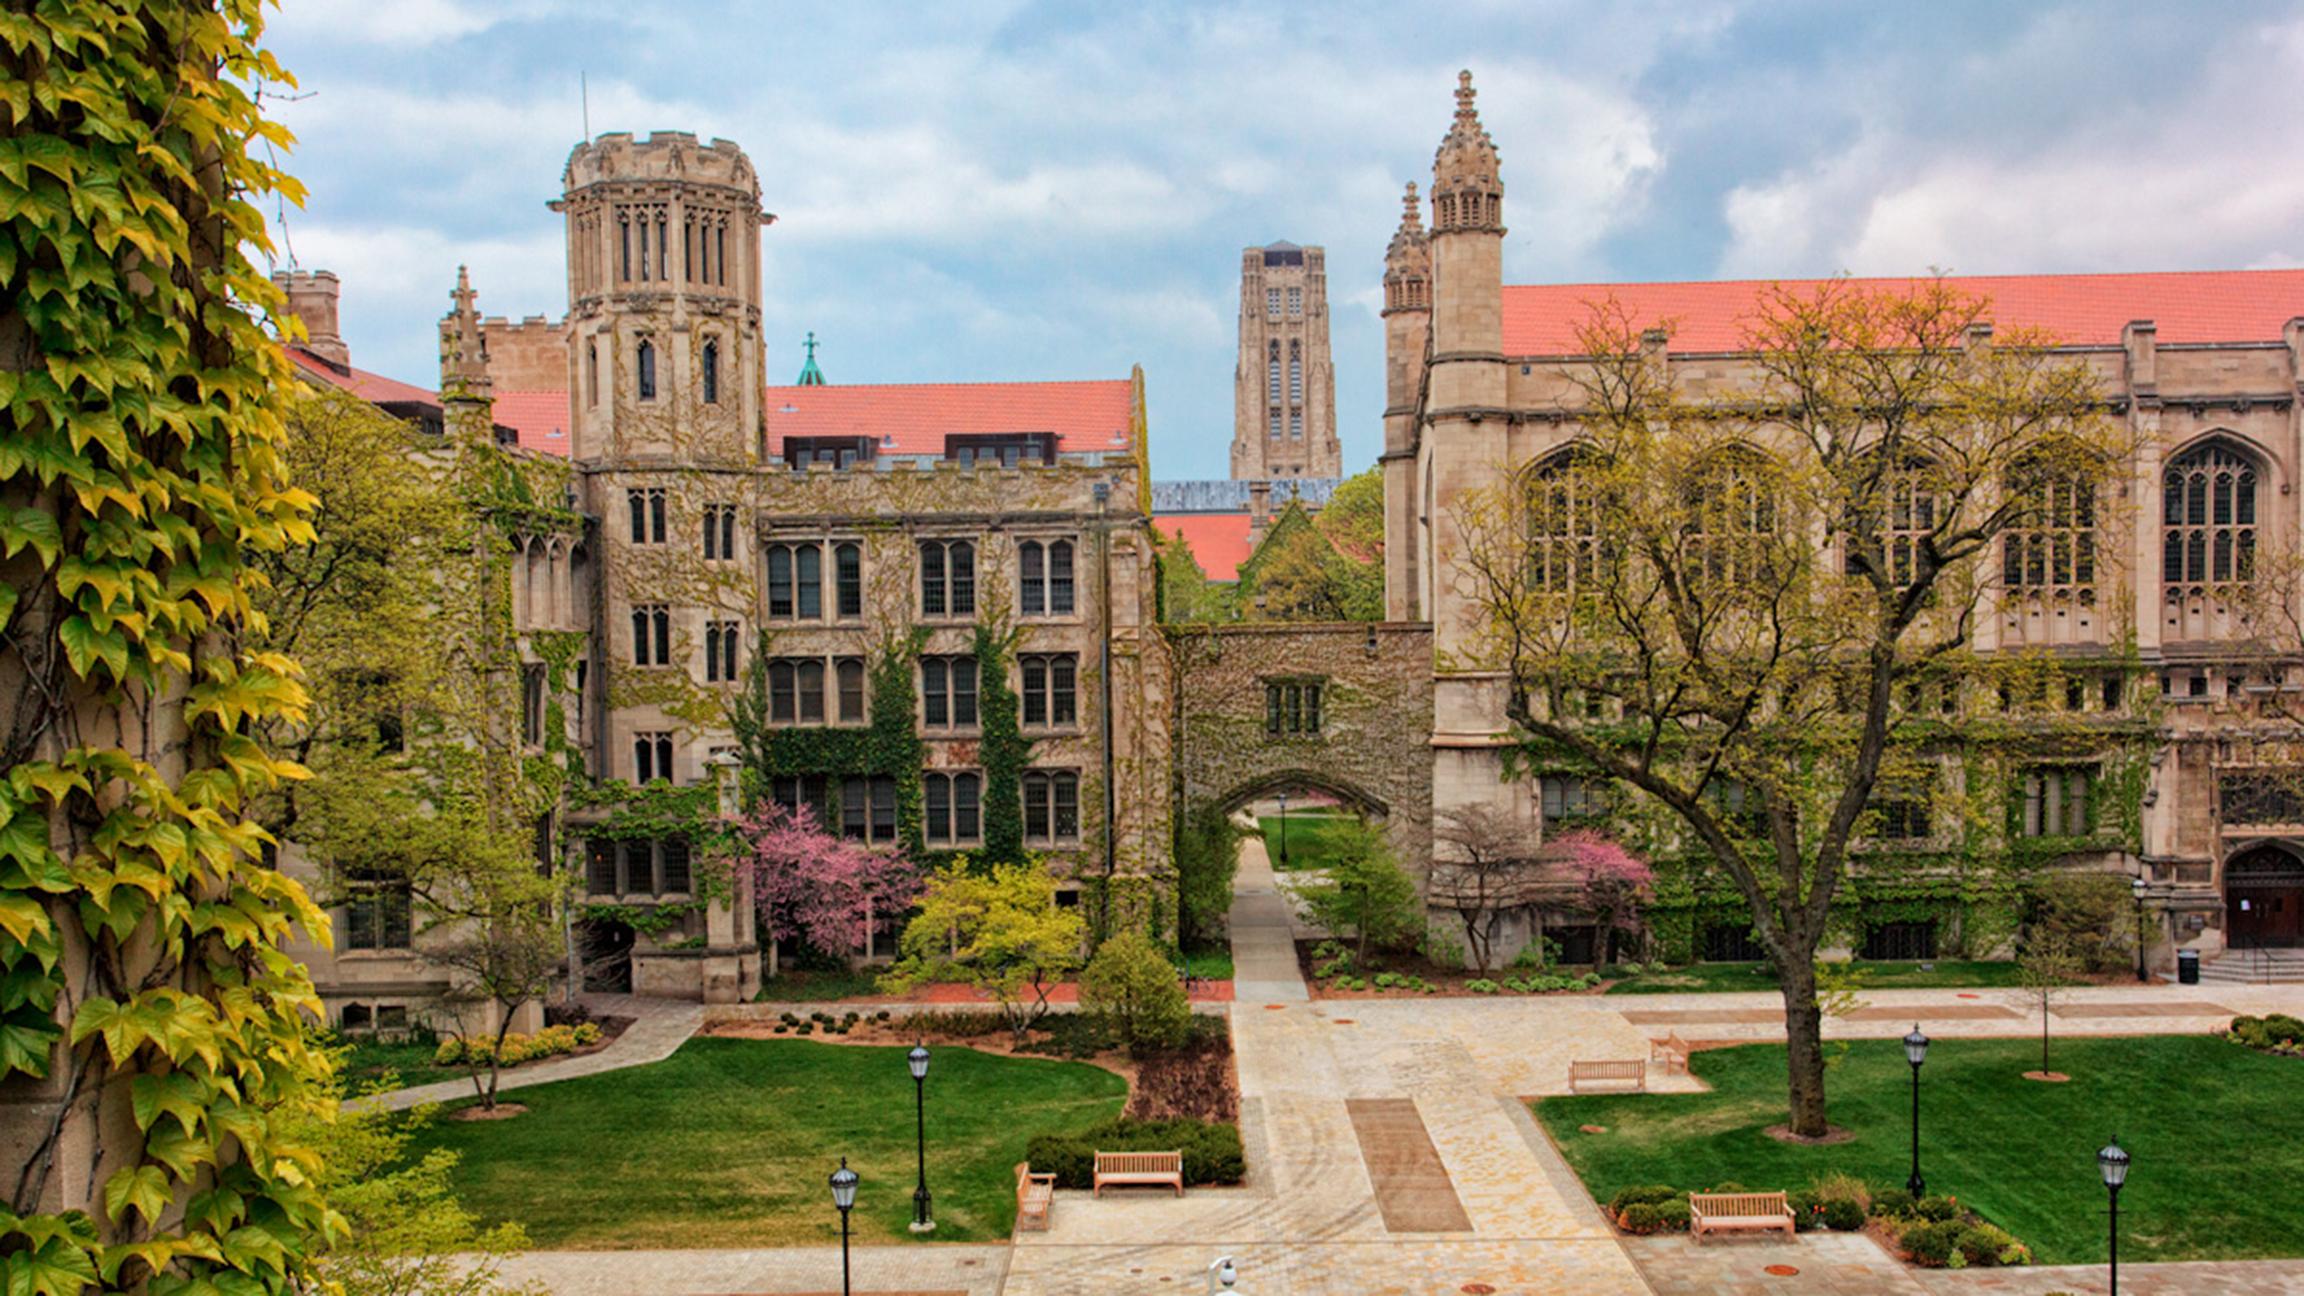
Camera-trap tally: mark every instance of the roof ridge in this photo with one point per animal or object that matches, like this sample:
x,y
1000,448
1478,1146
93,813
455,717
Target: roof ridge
x,y
985,382
1903,278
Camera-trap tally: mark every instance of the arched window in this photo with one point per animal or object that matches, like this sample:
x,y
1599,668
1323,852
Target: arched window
x,y
1902,513
647,369
1272,374
591,372
2208,517
1563,522
712,372
1732,519
1295,373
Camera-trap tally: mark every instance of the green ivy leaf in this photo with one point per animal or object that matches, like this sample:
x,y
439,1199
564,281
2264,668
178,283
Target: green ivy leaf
x,y
143,1189
55,1268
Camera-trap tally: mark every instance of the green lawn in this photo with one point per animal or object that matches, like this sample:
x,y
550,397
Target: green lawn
x,y
820,986
1209,963
1700,978
2216,1131
367,1060
727,1144
1312,838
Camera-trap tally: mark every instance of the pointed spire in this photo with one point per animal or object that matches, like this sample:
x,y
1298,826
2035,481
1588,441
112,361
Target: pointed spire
x,y
1408,259
1466,114
463,345
810,375
1411,211
1467,185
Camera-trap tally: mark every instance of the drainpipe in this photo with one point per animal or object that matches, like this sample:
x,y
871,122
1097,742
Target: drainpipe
x,y
1104,649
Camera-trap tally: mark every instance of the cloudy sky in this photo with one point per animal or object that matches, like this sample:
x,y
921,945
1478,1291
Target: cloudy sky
x,y
1040,190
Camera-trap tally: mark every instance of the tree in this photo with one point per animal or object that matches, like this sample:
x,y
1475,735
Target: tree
x,y
1187,596
2046,967
1366,895
1353,519
2089,917
1297,575
1131,988
1657,603
1486,868
825,890
1000,931
1609,882
156,1044
506,949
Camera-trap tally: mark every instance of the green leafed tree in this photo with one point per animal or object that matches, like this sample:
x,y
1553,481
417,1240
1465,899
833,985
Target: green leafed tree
x,y
1132,989
1751,606
998,930
1296,574
1365,896
1187,596
157,1052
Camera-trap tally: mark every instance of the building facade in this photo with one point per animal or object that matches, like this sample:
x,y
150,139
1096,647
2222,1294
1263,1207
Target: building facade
x,y
2205,369
1284,387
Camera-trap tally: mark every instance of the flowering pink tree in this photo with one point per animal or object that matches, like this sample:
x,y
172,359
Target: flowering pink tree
x,y
1609,880
826,890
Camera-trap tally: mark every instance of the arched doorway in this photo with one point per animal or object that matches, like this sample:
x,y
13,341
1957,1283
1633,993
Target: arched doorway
x,y
2264,896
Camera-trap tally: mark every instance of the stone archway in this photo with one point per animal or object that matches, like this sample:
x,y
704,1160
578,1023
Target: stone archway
x,y
2264,895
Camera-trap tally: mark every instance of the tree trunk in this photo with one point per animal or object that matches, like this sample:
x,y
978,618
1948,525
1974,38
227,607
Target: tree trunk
x,y
1804,1050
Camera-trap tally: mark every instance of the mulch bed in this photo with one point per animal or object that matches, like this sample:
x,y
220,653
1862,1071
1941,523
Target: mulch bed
x,y
1447,980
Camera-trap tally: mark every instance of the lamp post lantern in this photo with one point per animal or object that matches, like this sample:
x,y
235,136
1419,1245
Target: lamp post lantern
x,y
1222,1274
1916,1052
1283,832
2136,885
844,1197
2112,1163
917,1059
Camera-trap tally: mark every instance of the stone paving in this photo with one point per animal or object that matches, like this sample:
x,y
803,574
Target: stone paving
x,y
788,1271
659,1027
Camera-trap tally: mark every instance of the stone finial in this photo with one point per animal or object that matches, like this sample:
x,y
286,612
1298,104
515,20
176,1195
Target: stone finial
x,y
1466,113
463,344
1408,259
1467,184
1411,211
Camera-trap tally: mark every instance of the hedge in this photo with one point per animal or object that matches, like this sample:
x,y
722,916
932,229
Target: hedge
x,y
1211,1150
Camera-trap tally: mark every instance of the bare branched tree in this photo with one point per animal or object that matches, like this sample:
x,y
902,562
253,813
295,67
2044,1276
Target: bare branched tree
x,y
1484,869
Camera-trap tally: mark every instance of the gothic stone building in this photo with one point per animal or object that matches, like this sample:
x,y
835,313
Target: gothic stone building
x,y
2205,367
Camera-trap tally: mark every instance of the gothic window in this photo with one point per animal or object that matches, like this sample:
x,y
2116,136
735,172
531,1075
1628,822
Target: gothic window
x,y
2052,547
848,673
688,247
651,635
720,651
795,792
1295,301
948,692
1051,689
1272,374
954,808
647,509
378,914
663,263
532,702
719,532
591,372
1051,807
711,372
1567,796
1728,537
2055,801
1272,303
647,369
1296,425
848,578
795,582
1901,807
1902,524
796,690
1275,422
947,578
651,757
720,253
1044,569
868,808
1292,708
624,245
2208,514
1295,373
1563,523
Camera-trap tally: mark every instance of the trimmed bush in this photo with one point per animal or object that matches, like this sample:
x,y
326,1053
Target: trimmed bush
x,y
1212,1153
1987,1246
1933,1244
1892,1203
1843,1214
1642,1217
1673,1215
1131,989
1936,1210
1643,1193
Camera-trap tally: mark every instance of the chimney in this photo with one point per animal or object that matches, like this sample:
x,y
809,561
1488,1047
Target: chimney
x,y
1259,509
312,299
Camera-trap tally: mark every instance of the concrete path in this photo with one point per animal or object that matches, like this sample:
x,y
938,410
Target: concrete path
x,y
1263,943
1849,1264
659,1027
789,1271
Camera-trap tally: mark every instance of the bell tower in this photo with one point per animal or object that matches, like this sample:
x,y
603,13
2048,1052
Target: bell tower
x,y
663,299
1284,387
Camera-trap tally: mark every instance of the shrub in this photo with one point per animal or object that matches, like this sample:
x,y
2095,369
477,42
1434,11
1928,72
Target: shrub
x,y
2089,912
1936,1210
1731,1186
1628,969
958,1023
1649,1193
1673,1215
2283,1028
1987,1246
1806,1213
571,1013
1211,1150
1843,1214
1481,985
1131,990
1892,1203
1933,1244
1642,1217
1387,980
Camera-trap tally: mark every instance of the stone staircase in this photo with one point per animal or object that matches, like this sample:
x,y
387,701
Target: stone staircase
x,y
2245,966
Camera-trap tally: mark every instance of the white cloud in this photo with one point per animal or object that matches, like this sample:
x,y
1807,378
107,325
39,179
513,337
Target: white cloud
x,y
400,23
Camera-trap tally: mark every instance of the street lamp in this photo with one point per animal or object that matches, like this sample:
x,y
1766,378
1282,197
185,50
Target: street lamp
x,y
2136,884
917,1059
1916,1052
844,1196
2112,1162
1222,1274
1283,832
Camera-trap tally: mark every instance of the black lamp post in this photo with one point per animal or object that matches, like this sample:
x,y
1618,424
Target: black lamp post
x,y
1283,832
1916,1052
844,1197
2136,884
917,1059
2112,1161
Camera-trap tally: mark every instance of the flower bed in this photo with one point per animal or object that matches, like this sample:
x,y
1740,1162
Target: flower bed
x,y
2277,1033
1335,971
516,1048
1932,1232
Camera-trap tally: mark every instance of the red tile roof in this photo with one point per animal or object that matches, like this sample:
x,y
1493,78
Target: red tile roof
x,y
540,418
912,419
1219,540
373,388
2082,309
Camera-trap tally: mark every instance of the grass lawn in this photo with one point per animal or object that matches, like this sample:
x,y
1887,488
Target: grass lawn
x,y
1209,963
1699,978
819,986
367,1059
727,1144
1312,838
2216,1130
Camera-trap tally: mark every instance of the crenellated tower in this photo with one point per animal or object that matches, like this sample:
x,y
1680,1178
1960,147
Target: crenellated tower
x,y
1407,330
665,359
1284,397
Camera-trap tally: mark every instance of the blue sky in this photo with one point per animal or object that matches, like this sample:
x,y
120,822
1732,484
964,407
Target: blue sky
x,y
1039,190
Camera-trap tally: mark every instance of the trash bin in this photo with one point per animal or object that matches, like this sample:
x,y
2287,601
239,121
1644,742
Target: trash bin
x,y
2188,967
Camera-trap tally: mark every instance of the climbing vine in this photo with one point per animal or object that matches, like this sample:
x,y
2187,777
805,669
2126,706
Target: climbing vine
x,y
142,974
1002,751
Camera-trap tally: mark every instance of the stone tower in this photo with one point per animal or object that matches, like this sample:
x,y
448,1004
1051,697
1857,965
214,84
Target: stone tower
x,y
664,343
1284,389
1407,329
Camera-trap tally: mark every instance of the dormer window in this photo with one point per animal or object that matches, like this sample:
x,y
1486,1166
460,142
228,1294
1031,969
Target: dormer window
x,y
1005,449
838,451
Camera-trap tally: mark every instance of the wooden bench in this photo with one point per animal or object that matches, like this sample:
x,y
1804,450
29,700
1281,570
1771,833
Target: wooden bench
x,y
1139,1169
1033,1194
1670,1052
1738,1213
1629,1073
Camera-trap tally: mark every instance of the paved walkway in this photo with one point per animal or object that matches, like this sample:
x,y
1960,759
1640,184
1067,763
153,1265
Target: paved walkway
x,y
659,1027
1848,1264
789,1271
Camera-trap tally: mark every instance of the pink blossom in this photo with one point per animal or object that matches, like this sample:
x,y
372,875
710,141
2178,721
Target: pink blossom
x,y
823,889
1600,863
